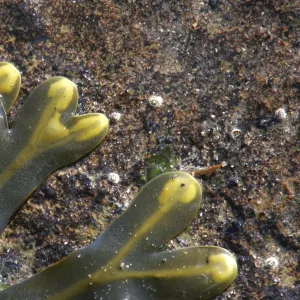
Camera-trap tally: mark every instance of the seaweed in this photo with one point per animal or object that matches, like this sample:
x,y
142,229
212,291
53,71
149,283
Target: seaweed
x,y
125,261
46,135
161,162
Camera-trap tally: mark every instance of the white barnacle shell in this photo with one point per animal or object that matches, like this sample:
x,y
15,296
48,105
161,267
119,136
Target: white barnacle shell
x,y
156,101
113,178
272,262
280,114
115,116
235,132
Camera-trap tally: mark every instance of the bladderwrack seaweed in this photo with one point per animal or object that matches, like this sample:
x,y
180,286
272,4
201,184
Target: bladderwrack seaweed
x,y
125,261
45,136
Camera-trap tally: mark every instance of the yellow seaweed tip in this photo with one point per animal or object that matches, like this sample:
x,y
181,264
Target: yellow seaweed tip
x,y
9,78
90,126
224,267
183,188
62,91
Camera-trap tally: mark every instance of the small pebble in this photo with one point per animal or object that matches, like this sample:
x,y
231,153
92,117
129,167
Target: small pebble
x,y
233,182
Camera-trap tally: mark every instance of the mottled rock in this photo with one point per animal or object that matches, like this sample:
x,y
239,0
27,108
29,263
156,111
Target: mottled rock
x,y
218,65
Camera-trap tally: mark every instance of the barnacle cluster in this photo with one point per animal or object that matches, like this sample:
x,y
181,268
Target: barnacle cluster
x,y
125,261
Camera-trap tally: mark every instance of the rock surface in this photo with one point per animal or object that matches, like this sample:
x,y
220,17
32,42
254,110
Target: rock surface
x,y
223,69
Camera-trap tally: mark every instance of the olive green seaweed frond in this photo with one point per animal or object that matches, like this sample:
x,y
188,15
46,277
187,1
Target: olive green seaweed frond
x,y
45,136
125,261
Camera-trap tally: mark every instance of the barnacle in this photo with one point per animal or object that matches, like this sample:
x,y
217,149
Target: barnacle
x,y
156,101
45,136
126,260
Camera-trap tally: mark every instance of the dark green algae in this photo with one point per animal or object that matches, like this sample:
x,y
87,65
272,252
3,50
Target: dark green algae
x,y
160,162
